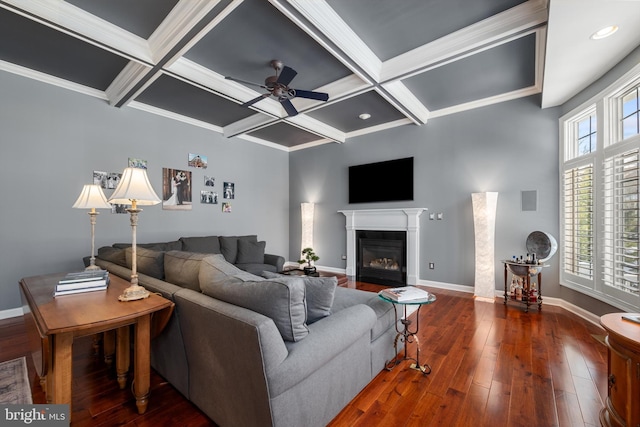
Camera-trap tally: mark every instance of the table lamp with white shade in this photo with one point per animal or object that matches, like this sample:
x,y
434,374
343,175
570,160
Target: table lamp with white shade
x,y
92,198
134,188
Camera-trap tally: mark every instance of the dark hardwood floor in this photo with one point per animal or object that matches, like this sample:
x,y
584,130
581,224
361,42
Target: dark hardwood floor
x,y
493,365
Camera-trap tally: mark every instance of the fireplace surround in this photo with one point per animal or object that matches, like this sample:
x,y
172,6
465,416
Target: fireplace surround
x,y
381,257
401,219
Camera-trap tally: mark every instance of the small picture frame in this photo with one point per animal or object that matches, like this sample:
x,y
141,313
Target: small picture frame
x,y
197,161
208,197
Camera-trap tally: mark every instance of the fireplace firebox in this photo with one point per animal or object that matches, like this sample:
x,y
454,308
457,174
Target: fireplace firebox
x,y
381,257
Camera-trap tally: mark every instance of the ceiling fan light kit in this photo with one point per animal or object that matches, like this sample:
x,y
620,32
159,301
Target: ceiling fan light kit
x,y
278,87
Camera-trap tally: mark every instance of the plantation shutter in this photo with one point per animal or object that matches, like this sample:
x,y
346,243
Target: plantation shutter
x,y
620,245
578,221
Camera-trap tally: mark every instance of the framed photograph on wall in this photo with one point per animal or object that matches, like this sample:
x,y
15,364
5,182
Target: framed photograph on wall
x,y
209,181
176,189
229,190
197,161
137,163
209,197
100,178
226,207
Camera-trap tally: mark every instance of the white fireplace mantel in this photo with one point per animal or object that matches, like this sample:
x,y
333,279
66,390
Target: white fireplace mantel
x,y
402,219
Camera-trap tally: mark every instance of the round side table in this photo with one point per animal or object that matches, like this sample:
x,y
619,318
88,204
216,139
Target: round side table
x,y
405,334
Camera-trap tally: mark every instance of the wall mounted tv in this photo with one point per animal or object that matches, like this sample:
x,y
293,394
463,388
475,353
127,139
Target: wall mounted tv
x,y
387,181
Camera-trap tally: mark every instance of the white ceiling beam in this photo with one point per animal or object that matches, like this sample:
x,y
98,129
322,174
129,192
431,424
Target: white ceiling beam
x,y
249,124
404,97
477,36
125,81
331,26
312,125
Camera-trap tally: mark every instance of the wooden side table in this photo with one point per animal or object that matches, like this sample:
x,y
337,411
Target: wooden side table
x,y
53,323
622,407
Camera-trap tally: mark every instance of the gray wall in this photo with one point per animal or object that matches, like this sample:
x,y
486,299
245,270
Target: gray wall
x,y
52,141
509,147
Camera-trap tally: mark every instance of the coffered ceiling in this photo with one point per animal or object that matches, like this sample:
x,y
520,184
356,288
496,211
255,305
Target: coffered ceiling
x,y
401,62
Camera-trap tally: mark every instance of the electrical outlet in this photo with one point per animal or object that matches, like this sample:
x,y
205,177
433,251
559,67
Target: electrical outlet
x,y
432,266
432,215
344,257
439,216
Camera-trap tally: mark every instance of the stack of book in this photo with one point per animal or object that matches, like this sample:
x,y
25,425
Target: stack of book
x,y
405,293
82,281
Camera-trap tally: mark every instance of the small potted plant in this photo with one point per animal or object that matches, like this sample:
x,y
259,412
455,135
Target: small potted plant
x,y
309,256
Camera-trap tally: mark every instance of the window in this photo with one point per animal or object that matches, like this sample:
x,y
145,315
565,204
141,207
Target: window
x,y
578,221
600,196
630,114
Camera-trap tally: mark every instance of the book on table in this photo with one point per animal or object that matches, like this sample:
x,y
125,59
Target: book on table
x,y
58,293
405,293
635,318
83,280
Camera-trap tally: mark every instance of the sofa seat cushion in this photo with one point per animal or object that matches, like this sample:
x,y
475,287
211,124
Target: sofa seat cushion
x,y
205,245
149,262
281,300
320,294
182,268
229,246
385,314
250,252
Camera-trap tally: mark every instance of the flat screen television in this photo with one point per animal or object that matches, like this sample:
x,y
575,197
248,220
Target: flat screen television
x,y
387,181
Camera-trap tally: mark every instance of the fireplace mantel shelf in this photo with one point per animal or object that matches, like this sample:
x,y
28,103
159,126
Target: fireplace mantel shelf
x,y
407,219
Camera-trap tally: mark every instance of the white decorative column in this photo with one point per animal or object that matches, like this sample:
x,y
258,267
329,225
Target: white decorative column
x,y
386,220
484,226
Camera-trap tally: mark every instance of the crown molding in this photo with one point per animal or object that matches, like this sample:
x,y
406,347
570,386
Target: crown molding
x,y
249,124
378,128
52,80
71,20
174,116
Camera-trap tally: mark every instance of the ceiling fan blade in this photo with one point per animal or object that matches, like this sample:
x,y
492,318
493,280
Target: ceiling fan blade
x,y
311,95
245,82
254,100
288,107
286,75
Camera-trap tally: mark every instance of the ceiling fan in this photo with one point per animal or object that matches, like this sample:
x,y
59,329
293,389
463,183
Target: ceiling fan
x,y
278,87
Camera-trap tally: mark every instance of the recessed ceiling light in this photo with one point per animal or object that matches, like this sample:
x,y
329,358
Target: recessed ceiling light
x,y
365,116
604,32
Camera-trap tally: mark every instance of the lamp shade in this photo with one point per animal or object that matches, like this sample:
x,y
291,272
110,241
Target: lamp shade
x,y
134,185
92,197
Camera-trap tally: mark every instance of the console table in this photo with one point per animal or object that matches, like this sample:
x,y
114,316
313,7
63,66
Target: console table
x,y
53,324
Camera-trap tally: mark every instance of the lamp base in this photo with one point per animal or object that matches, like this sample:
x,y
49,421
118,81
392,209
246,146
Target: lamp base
x,y
93,268
133,293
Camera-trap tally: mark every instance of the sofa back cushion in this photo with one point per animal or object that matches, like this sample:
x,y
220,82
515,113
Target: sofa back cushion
x,y
182,268
282,300
229,246
114,255
149,262
320,292
174,245
250,252
205,245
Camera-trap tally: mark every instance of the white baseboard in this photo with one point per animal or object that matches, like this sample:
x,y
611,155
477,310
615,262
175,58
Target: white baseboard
x,y
12,312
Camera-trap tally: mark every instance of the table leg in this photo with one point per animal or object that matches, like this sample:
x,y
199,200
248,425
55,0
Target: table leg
x,y
61,374
142,362
122,355
505,284
109,346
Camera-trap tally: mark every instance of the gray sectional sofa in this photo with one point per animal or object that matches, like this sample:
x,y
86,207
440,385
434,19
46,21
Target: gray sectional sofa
x,y
259,350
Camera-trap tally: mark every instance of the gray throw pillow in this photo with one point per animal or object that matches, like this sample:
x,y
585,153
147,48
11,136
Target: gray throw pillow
x,y
182,268
148,262
320,292
282,300
205,245
114,255
229,246
250,252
